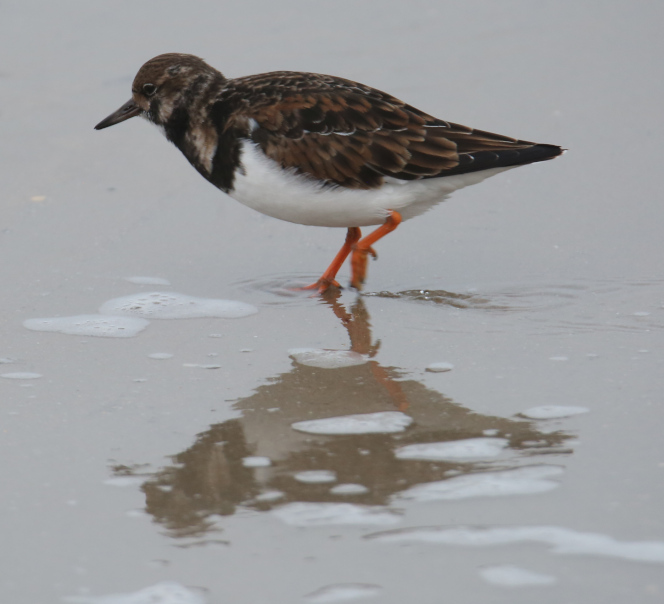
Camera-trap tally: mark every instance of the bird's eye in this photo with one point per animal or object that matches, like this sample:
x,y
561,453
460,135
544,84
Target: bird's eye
x,y
149,89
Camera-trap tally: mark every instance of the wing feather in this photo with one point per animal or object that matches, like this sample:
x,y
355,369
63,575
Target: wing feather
x,y
343,133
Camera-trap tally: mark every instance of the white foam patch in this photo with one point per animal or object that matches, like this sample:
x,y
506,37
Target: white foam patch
x,y
440,367
90,325
560,540
315,476
136,514
349,489
123,481
160,356
470,448
327,359
342,592
256,462
167,592
322,514
385,422
171,305
521,481
270,496
553,411
148,280
508,575
21,375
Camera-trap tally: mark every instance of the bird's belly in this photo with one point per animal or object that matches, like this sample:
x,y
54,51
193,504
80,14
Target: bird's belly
x,y
263,185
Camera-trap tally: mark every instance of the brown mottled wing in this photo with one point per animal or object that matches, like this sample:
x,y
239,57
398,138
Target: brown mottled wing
x,y
345,133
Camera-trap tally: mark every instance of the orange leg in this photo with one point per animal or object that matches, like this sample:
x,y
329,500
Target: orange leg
x,y
363,248
327,278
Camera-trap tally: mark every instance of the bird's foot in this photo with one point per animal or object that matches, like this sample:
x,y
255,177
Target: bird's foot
x,y
322,285
363,248
358,264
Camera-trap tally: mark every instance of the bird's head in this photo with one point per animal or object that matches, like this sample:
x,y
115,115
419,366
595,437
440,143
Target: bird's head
x,y
161,85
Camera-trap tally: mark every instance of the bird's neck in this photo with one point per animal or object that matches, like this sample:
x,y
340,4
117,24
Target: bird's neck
x,y
196,121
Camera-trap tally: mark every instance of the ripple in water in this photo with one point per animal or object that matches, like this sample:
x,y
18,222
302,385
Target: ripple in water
x,y
582,306
286,287
441,297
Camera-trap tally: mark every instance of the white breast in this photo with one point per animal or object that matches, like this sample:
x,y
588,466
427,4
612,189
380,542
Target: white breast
x,y
263,185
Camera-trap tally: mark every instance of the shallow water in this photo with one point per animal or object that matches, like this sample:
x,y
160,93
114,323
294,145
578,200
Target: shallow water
x,y
482,424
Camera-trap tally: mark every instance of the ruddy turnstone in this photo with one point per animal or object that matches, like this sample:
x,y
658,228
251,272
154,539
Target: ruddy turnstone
x,y
316,149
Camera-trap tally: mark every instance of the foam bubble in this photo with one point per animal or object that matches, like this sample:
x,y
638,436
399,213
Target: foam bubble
x,y
148,280
136,513
315,476
560,540
21,375
321,514
469,448
342,592
440,367
123,481
385,422
553,411
256,462
508,575
327,359
349,489
167,592
521,481
171,305
90,325
270,496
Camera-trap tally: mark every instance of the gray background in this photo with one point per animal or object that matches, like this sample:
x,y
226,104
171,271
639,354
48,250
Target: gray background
x,y
556,257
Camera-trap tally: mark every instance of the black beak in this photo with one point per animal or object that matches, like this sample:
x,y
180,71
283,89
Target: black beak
x,y
129,109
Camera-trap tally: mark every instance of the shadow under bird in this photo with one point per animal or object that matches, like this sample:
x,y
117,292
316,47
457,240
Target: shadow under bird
x,y
316,149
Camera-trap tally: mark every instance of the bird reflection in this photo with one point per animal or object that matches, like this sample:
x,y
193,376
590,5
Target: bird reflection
x,y
210,478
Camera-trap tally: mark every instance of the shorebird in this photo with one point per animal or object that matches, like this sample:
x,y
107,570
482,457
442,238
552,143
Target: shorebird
x,y
316,149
